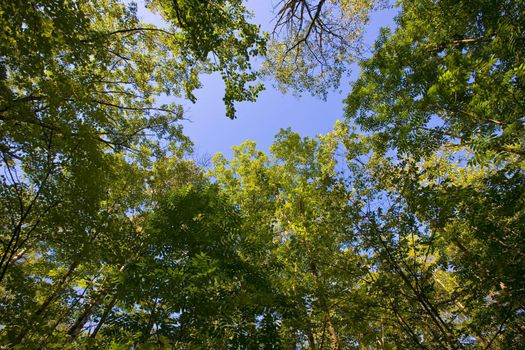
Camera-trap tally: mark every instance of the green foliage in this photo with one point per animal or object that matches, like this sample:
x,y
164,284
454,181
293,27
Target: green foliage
x,y
314,42
450,74
409,236
217,36
84,143
189,286
444,91
298,201
452,246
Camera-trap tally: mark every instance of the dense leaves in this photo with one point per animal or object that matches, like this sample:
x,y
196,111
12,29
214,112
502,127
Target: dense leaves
x,y
452,73
85,144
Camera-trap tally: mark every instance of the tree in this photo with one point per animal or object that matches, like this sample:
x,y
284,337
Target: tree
x,y
189,285
444,92
451,73
438,230
81,132
299,208
74,267
474,216
314,42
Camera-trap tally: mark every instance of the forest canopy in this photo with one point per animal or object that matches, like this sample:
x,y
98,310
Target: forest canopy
x,y
401,228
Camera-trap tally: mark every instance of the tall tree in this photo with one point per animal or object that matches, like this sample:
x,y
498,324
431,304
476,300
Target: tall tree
x,y
445,91
451,73
80,130
314,42
298,203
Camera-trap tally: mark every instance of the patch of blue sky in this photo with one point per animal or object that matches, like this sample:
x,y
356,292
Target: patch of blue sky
x,y
211,131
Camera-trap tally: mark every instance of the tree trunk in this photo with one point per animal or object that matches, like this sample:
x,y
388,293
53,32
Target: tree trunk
x,y
311,341
104,316
75,329
58,287
56,290
332,332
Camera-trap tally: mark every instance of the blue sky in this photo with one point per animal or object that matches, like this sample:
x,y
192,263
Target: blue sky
x,y
212,132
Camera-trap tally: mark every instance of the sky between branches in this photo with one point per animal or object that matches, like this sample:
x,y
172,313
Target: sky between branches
x,y
210,130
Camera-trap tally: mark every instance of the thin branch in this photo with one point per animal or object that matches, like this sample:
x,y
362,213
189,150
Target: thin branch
x,y
466,41
480,118
500,330
135,108
124,31
24,99
314,21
